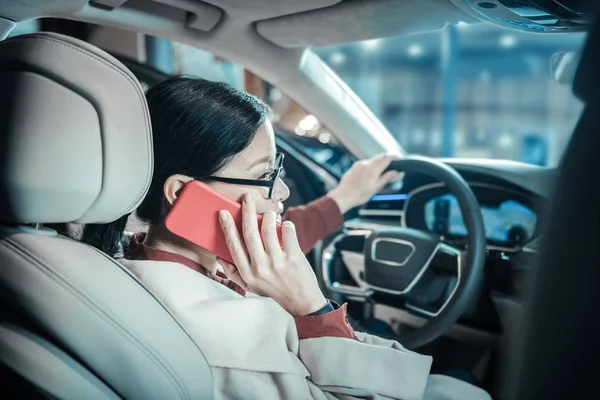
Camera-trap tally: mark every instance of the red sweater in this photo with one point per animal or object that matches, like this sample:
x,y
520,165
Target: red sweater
x,y
313,222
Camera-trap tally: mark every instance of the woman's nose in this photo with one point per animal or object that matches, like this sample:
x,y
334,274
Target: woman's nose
x,y
281,191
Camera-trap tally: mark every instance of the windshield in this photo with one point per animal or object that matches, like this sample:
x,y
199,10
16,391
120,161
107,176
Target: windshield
x,y
468,91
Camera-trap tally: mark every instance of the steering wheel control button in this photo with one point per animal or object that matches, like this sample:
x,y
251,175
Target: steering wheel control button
x,y
390,251
396,258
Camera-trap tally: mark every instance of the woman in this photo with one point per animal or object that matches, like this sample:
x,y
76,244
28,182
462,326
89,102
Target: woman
x,y
264,326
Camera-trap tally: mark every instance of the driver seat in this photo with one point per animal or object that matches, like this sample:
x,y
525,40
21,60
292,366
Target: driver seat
x,y
76,146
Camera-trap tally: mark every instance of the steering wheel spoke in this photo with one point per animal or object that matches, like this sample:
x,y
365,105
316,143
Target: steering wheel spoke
x,y
452,268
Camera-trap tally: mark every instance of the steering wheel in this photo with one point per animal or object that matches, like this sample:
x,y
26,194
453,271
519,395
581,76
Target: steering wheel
x,y
398,259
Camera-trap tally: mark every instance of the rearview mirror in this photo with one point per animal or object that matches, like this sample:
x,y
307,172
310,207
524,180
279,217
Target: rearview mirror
x,y
564,65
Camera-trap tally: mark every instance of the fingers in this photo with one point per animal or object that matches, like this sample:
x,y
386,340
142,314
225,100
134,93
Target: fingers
x,y
387,177
380,157
232,273
269,233
250,229
384,160
381,163
289,237
234,243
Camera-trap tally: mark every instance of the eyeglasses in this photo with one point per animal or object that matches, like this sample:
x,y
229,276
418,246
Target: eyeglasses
x,y
268,181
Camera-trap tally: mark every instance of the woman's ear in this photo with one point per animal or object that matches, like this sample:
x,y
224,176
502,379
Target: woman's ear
x,y
173,186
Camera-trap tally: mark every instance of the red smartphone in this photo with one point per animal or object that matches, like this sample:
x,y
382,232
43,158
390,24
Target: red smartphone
x,y
195,217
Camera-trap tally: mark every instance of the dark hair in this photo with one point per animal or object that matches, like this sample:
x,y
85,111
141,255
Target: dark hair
x,y
198,126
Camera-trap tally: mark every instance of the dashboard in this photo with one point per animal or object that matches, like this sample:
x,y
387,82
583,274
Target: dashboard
x,y
509,217
509,223
512,215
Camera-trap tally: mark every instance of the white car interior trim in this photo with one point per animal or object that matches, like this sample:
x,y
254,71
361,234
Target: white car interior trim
x,y
331,85
200,15
327,257
350,21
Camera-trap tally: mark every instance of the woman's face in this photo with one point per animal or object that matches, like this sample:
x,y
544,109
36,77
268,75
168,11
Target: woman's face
x,y
255,162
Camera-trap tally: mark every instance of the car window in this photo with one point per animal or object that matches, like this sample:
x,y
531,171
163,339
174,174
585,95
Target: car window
x,y
467,91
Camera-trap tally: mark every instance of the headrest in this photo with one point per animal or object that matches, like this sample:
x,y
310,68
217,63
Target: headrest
x,y
75,133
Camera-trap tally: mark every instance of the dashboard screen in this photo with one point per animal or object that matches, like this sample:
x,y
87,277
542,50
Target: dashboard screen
x,y
510,223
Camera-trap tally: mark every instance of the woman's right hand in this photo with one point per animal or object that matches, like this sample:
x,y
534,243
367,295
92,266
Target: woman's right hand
x,y
283,274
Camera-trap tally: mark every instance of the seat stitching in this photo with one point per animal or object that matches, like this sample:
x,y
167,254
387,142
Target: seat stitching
x,y
44,268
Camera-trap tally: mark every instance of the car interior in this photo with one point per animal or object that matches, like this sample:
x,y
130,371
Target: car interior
x,y
486,264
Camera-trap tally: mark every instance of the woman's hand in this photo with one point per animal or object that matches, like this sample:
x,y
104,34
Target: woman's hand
x,y
364,179
283,274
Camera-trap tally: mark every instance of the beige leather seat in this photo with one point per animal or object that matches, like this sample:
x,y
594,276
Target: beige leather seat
x,y
75,146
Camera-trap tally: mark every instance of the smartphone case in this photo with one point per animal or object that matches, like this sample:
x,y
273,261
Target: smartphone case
x,y
195,217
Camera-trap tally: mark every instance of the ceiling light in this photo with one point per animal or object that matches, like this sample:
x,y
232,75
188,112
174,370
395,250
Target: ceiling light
x,y
324,138
275,95
299,131
508,41
338,58
371,45
309,122
415,50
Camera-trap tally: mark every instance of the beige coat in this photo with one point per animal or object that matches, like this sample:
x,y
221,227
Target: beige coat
x,y
253,348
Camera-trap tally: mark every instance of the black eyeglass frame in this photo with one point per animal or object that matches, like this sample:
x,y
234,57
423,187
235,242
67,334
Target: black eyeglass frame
x,y
270,184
